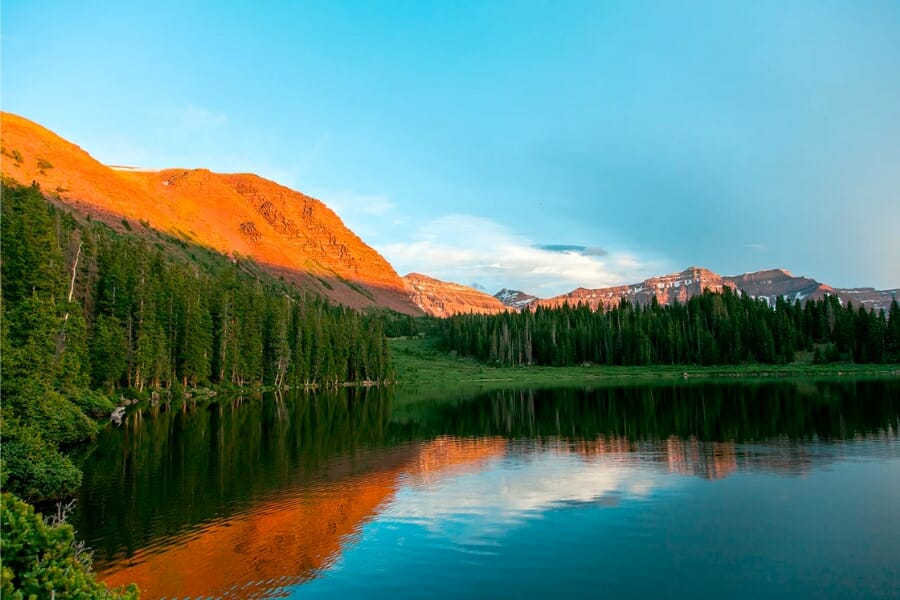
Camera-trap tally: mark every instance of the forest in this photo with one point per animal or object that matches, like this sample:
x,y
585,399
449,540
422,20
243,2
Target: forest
x,y
90,315
724,328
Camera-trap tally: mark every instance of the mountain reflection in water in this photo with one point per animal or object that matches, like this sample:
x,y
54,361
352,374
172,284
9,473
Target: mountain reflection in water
x,y
253,497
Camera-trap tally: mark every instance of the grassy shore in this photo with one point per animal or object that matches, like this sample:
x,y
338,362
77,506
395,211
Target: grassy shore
x,y
419,362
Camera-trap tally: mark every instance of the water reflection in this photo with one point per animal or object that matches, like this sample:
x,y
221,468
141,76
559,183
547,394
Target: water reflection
x,y
253,497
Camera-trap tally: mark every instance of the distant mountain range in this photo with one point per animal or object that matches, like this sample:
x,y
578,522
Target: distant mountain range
x,y
300,239
439,298
768,285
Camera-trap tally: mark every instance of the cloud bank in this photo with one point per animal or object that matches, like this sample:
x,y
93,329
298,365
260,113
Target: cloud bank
x,y
465,248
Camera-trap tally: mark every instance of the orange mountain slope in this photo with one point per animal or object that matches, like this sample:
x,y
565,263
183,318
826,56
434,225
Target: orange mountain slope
x,y
243,215
443,299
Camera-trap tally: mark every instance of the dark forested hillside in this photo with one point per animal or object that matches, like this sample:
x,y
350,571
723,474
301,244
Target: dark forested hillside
x,y
89,314
711,329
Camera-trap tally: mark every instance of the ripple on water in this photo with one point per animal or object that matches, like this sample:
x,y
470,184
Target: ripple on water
x,y
350,507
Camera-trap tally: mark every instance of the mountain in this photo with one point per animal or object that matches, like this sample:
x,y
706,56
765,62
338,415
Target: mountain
x,y
443,299
773,283
515,299
666,289
242,215
768,285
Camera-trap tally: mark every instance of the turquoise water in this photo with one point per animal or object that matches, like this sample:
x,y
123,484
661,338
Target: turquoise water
x,y
714,490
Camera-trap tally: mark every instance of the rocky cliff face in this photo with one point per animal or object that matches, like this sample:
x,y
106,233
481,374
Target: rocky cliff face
x,y
243,215
443,299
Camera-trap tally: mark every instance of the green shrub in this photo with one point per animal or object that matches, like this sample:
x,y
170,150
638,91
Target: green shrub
x,y
95,404
44,164
135,394
43,561
33,468
61,421
37,421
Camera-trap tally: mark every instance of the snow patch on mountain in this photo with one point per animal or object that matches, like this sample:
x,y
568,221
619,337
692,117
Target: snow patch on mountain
x,y
514,298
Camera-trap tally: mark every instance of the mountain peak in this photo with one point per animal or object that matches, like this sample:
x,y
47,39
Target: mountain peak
x,y
514,298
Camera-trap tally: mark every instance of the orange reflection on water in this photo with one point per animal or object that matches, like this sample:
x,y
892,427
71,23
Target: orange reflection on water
x,y
711,460
447,455
275,543
287,540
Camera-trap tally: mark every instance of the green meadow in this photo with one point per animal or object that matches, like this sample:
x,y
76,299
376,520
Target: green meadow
x,y
418,362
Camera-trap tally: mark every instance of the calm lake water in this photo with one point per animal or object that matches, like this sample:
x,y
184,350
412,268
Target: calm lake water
x,y
777,490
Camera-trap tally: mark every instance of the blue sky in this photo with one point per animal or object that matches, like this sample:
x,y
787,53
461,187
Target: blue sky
x,y
534,145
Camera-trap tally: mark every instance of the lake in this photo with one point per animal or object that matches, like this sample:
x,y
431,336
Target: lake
x,y
775,489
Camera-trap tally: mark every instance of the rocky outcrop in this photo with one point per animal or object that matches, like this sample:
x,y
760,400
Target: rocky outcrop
x,y
242,215
443,299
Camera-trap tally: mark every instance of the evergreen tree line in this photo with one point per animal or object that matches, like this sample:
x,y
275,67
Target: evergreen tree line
x,y
724,328
88,314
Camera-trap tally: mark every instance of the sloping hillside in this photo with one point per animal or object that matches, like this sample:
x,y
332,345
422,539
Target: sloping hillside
x,y
292,235
443,299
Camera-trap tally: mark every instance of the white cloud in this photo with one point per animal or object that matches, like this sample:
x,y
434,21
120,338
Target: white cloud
x,y
507,491
465,248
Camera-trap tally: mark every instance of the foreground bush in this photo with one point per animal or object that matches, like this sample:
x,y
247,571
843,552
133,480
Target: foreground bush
x,y
41,560
33,468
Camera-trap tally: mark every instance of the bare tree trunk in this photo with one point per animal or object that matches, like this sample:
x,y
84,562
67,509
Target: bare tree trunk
x,y
74,271
61,339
